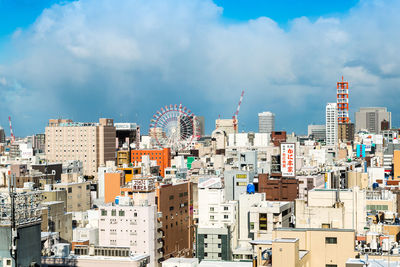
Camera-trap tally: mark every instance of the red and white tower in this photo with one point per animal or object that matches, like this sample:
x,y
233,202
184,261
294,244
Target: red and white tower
x,y
343,101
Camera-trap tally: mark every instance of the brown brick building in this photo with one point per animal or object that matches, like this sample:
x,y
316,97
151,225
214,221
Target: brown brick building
x,y
175,202
278,189
278,137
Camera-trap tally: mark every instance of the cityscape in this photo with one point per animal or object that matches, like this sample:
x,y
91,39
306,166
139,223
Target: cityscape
x,y
179,177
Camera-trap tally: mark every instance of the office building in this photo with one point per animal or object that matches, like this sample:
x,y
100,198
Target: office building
x,y
161,156
346,131
2,135
199,126
370,119
127,134
266,122
317,132
132,225
91,143
331,124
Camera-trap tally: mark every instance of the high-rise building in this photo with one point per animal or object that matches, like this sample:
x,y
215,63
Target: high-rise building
x,y
2,135
199,125
266,122
331,116
91,143
370,119
343,101
317,132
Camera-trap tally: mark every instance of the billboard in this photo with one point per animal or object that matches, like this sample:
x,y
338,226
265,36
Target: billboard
x,y
288,159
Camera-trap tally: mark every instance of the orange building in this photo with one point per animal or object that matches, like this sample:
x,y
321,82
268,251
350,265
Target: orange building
x,y
396,164
112,185
162,156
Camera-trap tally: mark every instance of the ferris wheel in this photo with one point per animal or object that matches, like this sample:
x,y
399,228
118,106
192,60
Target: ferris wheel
x,y
173,126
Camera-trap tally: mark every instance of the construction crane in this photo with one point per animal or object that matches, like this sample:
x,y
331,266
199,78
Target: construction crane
x,y
11,130
235,118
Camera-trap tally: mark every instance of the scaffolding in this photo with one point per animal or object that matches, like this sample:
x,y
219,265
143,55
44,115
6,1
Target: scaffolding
x,y
343,101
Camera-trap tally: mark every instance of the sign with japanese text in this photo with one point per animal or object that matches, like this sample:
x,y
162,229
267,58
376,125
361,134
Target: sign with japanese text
x,y
288,159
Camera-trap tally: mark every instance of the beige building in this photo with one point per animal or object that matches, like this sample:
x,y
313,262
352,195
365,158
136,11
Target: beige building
x,y
78,195
91,143
55,219
322,210
306,248
359,179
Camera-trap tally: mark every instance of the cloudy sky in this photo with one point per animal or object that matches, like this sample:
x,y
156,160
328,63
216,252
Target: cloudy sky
x,y
125,59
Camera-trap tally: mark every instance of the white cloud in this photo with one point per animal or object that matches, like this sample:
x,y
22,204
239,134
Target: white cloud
x,y
89,56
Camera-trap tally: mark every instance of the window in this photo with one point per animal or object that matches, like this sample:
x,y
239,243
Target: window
x,y
205,245
171,197
211,217
330,240
113,213
205,236
121,213
205,254
171,208
226,208
103,213
219,236
69,189
226,217
262,221
252,226
219,255
330,265
326,225
211,208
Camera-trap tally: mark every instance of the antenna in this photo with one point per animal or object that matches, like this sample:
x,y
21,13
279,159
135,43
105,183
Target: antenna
x,y
11,130
235,118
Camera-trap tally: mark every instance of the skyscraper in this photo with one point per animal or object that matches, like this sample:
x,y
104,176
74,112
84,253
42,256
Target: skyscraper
x,y
331,116
2,135
266,122
370,119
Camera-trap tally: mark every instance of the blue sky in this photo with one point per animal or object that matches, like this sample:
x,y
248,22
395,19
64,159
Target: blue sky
x,y
125,59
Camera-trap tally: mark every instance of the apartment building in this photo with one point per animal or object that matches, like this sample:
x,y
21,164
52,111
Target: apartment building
x,y
217,228
331,124
174,202
91,143
133,226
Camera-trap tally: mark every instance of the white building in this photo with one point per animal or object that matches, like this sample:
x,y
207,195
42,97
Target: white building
x,y
217,230
131,226
266,122
331,117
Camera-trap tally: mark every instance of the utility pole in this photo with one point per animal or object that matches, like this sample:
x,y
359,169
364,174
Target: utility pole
x,y
14,231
